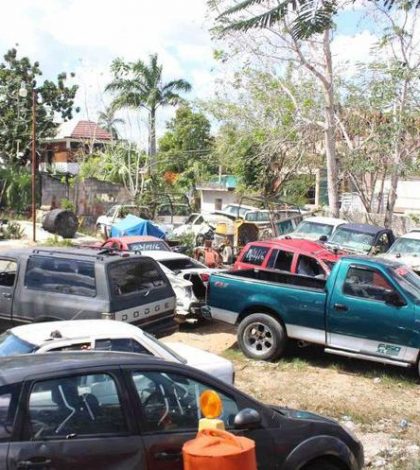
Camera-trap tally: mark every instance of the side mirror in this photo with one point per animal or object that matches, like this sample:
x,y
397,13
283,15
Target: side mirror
x,y
392,298
323,238
247,418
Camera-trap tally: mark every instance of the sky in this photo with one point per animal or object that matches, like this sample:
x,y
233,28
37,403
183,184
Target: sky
x,y
84,36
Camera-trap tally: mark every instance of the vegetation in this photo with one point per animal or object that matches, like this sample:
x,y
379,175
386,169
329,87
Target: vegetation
x,y
139,85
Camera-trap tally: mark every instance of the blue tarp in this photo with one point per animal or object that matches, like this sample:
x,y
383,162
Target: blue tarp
x,y
132,225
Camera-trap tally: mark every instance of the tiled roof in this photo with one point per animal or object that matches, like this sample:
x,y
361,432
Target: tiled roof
x,y
82,130
90,130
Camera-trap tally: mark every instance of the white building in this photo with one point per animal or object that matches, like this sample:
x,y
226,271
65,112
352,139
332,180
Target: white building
x,y
217,193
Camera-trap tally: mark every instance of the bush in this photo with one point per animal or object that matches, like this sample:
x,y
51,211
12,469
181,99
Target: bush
x,y
12,231
68,205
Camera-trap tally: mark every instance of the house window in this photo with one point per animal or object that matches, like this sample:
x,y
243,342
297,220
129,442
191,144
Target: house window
x,y
218,203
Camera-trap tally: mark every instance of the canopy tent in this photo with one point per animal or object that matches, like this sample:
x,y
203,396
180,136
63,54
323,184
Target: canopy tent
x,y
132,225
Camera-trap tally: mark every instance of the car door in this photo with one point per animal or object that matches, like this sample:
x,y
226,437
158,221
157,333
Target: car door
x,y
168,415
359,319
9,399
76,421
8,277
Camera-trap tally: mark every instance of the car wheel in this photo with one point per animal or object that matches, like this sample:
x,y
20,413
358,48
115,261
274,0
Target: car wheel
x,y
261,337
323,465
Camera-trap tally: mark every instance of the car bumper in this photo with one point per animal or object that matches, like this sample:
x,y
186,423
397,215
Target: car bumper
x,y
160,327
194,311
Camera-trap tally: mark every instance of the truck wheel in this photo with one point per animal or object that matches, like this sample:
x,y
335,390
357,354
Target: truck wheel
x,y
322,465
261,337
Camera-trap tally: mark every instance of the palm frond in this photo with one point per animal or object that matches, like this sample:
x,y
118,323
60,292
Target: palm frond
x,y
177,85
313,20
240,7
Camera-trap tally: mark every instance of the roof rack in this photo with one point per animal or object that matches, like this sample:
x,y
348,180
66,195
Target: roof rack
x,y
62,252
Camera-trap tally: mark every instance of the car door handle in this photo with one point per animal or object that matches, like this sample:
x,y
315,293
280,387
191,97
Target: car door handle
x,y
35,462
7,295
341,308
175,455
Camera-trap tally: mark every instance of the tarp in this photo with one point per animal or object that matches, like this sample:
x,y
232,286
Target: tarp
x,y
132,225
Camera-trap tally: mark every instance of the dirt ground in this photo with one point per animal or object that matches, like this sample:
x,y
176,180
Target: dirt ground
x,y
380,404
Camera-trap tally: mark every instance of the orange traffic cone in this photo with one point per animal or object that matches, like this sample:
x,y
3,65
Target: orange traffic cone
x,y
213,449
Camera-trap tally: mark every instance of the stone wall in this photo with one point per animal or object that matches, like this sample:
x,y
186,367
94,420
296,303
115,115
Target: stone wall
x,y
90,197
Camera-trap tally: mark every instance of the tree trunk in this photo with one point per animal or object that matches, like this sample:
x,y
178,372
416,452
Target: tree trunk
x,y
329,133
152,141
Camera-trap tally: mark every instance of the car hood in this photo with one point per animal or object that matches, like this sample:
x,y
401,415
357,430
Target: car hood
x,y
217,366
412,261
300,414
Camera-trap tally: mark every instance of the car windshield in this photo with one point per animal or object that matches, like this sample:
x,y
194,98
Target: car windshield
x,y
179,358
408,280
353,240
179,264
405,247
149,246
314,229
11,345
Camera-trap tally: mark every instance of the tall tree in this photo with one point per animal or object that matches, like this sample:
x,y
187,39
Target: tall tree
x,y
18,74
139,85
109,122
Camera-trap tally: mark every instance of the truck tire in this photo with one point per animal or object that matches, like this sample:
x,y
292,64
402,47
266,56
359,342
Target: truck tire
x,y
323,465
261,337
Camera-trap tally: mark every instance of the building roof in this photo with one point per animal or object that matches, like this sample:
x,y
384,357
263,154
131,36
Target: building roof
x,y
85,130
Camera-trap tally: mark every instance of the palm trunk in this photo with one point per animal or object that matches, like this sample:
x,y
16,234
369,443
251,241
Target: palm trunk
x,y
329,133
152,140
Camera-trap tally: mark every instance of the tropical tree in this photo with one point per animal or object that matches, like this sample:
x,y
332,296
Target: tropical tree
x,y
109,122
139,85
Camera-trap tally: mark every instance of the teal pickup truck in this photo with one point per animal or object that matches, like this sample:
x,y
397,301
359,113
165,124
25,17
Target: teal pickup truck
x,y
368,308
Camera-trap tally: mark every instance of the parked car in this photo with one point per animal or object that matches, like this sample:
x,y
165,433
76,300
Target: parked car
x,y
295,256
406,249
316,228
187,269
136,243
64,284
364,239
116,214
368,308
238,210
107,335
108,411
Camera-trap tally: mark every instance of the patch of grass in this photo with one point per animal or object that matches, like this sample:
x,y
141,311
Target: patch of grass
x,y
233,354
57,242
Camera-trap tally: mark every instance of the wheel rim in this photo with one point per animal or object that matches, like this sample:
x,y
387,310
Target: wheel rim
x,y
258,338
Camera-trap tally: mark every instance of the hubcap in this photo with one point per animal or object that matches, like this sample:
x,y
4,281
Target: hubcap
x,y
258,338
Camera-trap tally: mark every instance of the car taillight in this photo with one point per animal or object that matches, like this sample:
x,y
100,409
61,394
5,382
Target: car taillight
x,y
205,277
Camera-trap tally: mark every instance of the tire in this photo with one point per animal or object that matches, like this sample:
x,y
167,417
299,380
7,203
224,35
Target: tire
x,y
261,337
323,465
227,255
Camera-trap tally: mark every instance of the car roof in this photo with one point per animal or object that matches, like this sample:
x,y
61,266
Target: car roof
x,y
100,256
389,263
298,245
325,220
17,368
40,333
368,228
137,238
414,235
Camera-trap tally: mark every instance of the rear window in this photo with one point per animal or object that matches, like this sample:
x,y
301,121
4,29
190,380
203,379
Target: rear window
x,y
61,275
255,255
149,246
134,276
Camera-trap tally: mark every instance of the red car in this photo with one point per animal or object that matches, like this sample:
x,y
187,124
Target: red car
x,y
296,256
137,243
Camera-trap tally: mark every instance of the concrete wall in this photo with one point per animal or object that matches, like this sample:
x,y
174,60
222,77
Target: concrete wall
x,y
91,197
209,196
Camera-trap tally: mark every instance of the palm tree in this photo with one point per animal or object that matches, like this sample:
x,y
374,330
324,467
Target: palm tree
x,y
313,16
108,121
140,85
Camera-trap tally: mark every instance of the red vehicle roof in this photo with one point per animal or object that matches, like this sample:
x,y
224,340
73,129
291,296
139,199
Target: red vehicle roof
x,y
136,238
305,247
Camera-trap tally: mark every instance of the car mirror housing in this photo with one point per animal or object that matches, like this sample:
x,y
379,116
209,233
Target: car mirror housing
x,y
323,238
247,418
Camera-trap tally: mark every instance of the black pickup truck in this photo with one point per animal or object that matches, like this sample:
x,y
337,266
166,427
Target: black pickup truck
x,y
63,284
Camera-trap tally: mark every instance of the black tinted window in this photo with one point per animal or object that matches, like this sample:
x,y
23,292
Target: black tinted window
x,y
255,255
7,272
133,276
120,344
78,405
66,276
9,396
179,264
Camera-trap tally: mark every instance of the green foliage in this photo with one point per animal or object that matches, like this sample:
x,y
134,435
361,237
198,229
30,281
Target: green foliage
x,y
15,188
68,205
16,111
187,240
12,231
184,149
108,121
57,241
